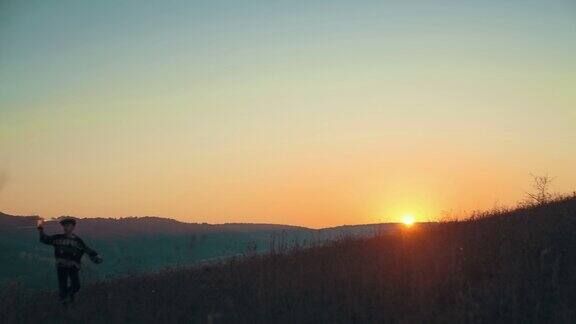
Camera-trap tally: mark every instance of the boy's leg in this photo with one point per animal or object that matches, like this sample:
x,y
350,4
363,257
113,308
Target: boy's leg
x,y
62,282
74,281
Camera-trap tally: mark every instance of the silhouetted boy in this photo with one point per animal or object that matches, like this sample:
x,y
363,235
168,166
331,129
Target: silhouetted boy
x,y
68,251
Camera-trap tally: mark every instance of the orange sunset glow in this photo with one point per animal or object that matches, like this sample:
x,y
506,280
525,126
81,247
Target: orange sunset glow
x,y
314,115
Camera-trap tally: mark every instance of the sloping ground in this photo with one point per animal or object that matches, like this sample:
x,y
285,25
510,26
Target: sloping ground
x,y
516,266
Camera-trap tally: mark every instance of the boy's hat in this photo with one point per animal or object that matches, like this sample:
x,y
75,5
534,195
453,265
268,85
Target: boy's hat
x,y
67,220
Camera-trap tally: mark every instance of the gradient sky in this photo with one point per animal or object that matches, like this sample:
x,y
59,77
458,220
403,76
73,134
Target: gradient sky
x,y
313,113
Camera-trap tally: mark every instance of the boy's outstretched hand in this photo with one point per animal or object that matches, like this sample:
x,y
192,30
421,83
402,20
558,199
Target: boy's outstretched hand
x,y
97,259
40,223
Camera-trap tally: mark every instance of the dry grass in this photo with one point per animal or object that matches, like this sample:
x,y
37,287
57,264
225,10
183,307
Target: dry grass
x,y
509,266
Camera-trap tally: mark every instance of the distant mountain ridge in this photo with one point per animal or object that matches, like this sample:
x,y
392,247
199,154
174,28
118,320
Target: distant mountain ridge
x,y
138,244
7,220
163,225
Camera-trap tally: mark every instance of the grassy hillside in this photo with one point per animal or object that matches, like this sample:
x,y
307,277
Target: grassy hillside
x,y
138,245
510,266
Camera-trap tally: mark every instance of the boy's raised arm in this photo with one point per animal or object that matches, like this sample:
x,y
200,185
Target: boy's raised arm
x,y
46,239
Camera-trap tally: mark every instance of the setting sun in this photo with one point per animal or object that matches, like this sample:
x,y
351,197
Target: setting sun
x,y
408,220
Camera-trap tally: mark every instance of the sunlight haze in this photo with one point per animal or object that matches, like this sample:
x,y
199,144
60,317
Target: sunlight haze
x,y
312,113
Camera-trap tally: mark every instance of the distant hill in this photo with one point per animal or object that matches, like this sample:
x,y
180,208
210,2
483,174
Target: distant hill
x,y
13,222
139,244
136,225
516,266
